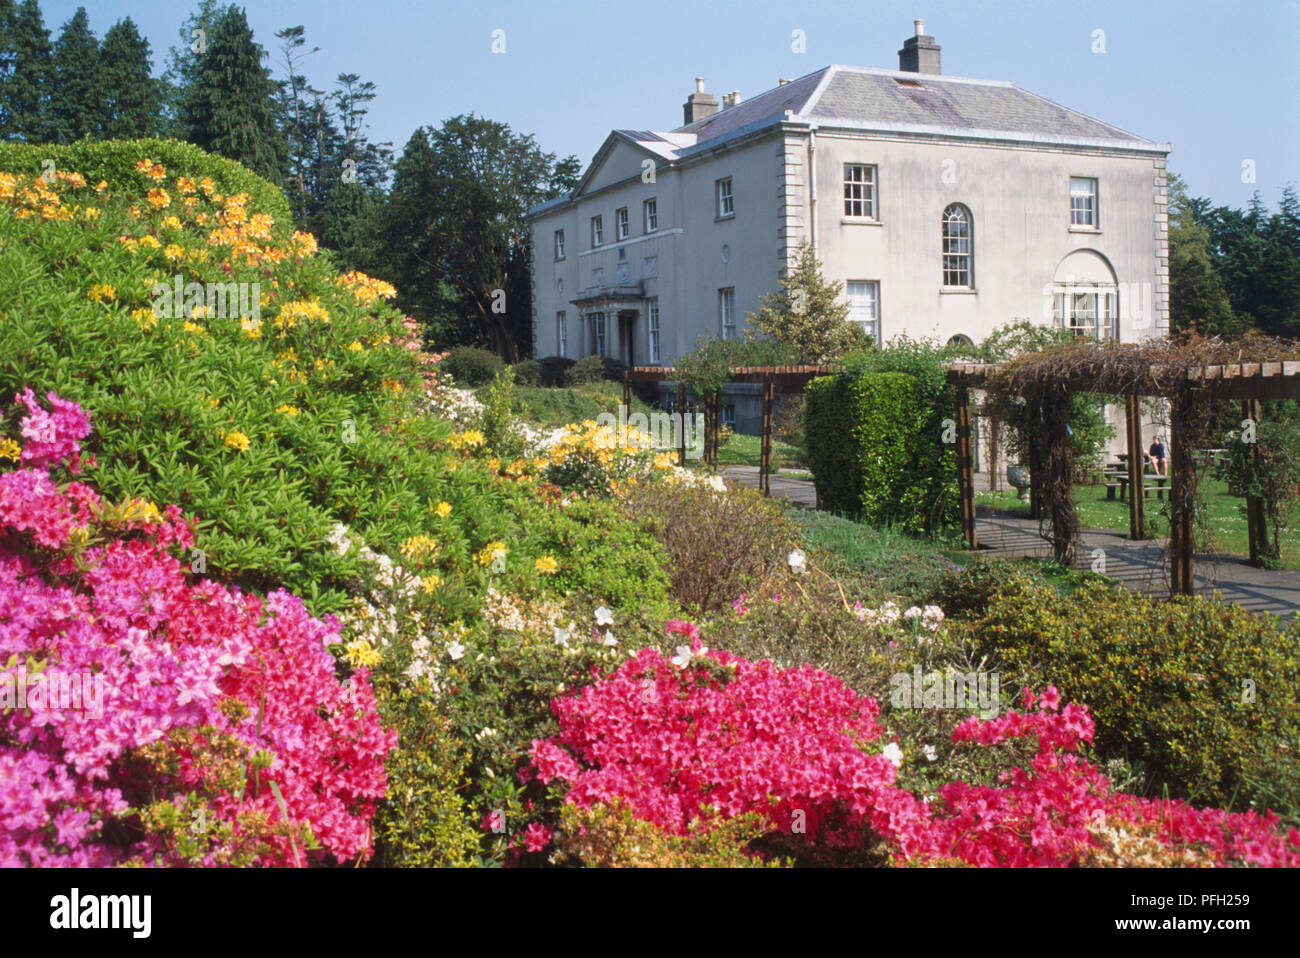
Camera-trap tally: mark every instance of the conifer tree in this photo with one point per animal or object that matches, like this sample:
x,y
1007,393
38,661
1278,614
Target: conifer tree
x,y
76,103
132,98
24,83
807,313
232,108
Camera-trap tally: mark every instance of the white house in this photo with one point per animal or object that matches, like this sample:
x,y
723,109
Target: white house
x,y
947,206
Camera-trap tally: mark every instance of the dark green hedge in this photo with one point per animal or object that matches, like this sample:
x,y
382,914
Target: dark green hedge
x,y
876,450
114,161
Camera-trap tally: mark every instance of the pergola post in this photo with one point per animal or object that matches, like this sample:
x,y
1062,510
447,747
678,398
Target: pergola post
x,y
765,448
965,469
681,434
1182,473
1137,528
1252,409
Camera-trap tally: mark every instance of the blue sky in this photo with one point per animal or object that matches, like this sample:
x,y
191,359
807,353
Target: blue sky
x,y
1216,79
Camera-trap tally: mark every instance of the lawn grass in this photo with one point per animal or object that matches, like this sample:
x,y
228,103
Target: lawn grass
x,y
876,563
555,406
1224,514
742,450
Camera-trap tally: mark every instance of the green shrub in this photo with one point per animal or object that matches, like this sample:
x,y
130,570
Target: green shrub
x,y
969,590
594,369
114,161
611,836
717,545
551,406
1187,690
528,373
876,450
424,821
502,436
471,365
553,370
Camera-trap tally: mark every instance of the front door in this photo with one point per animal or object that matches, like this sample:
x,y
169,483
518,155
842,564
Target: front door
x,y
627,336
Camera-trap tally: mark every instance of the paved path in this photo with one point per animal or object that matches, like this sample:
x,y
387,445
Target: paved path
x,y
1139,565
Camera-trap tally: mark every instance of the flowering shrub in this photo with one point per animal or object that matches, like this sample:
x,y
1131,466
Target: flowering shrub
x,y
209,727
798,748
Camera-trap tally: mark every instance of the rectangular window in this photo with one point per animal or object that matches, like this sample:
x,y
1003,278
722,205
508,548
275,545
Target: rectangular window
x,y
652,314
729,416
726,203
1089,313
559,244
1083,202
864,306
597,323
561,337
597,231
620,224
651,215
860,191
727,312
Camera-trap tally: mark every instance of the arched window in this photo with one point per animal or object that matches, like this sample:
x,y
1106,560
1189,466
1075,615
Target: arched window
x,y
962,341
958,248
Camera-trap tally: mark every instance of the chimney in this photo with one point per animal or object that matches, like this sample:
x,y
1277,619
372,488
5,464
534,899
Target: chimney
x,y
699,104
730,99
920,54
783,81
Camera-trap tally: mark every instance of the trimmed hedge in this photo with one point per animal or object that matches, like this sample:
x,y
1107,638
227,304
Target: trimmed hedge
x,y
114,161
554,368
593,369
472,365
875,449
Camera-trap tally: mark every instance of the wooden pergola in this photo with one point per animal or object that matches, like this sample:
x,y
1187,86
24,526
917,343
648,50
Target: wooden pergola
x,y
790,379
1248,383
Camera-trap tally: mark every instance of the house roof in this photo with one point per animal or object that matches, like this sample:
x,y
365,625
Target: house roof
x,y
883,101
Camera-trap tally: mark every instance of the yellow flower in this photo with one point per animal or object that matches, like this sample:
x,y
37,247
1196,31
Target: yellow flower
x,y
491,553
101,186
91,212
172,222
359,652
207,185
236,440
469,438
158,198
172,251
10,449
355,346
288,410
547,565
102,291
420,548
431,582
443,510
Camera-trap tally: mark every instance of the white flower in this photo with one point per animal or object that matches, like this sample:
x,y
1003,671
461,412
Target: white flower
x,y
420,646
416,669
930,752
932,618
893,753
561,637
798,561
913,613
889,612
455,650
683,656
604,616
609,639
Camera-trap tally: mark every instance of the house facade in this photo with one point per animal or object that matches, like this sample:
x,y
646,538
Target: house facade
x,y
947,207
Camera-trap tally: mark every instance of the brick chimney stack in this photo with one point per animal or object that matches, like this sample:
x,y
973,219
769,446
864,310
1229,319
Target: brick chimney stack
x,y
699,104
920,54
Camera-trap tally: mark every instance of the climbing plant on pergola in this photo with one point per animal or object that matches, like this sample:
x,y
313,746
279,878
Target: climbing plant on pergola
x,y
1190,373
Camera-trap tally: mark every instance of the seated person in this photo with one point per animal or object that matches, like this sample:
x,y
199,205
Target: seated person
x,y
1157,455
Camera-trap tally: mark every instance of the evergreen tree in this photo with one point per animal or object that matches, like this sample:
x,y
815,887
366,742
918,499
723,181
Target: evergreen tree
x,y
76,104
132,98
296,106
231,108
24,87
183,63
1197,298
807,313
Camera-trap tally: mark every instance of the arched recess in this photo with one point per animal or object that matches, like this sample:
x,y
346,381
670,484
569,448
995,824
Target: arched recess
x,y
1085,295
